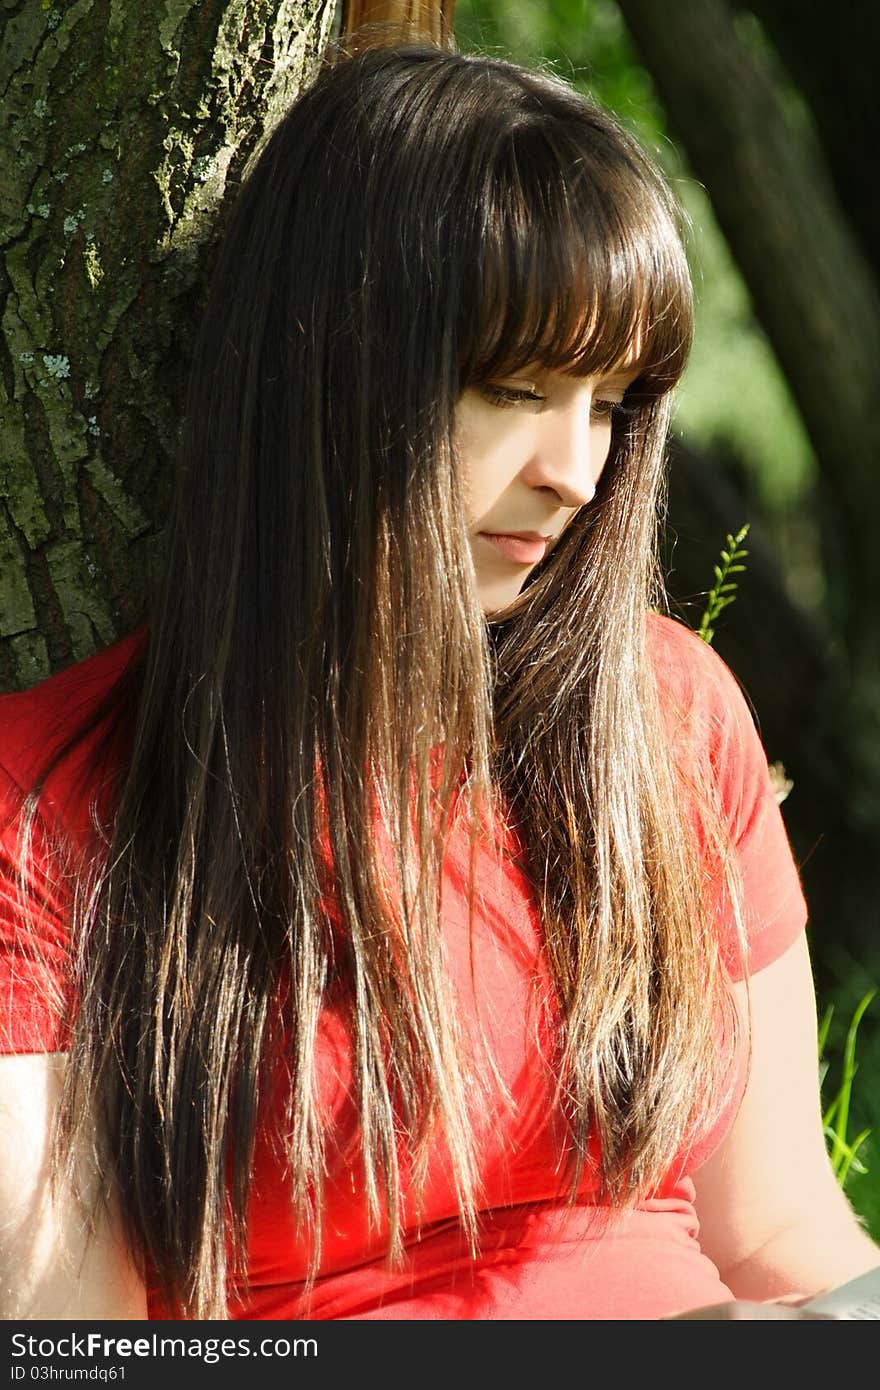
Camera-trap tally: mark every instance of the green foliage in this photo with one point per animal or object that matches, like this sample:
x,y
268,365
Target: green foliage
x,y
724,591
843,1150
585,41
734,399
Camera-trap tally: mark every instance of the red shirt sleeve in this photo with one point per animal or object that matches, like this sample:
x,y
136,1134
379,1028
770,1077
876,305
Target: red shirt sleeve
x,y
35,956
37,966
708,717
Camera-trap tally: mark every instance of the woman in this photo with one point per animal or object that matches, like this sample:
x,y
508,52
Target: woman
x,y
384,906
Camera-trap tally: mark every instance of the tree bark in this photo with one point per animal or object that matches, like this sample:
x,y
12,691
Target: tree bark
x,y
127,128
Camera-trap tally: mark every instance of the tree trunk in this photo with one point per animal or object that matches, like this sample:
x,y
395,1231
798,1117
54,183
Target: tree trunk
x,y
835,68
127,127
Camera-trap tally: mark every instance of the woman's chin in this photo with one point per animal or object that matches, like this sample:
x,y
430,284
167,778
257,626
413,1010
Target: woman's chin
x,y
499,600
495,599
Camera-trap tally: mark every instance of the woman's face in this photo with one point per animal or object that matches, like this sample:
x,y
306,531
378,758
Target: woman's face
x,y
532,447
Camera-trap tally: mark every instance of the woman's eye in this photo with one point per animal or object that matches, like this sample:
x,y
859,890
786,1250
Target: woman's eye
x,y
607,410
509,395
618,412
600,410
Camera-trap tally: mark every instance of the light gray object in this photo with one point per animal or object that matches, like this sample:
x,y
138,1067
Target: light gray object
x,y
858,1298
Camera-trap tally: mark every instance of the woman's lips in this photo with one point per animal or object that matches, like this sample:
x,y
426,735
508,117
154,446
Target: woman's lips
x,y
522,550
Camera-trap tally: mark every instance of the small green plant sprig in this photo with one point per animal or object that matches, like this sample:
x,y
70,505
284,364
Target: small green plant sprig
x,y
842,1150
724,591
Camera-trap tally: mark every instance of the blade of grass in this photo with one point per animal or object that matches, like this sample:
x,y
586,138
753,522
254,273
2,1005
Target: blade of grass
x,y
849,1062
836,1117
851,1160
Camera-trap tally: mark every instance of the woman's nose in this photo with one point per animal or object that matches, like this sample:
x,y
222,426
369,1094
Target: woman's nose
x,y
568,454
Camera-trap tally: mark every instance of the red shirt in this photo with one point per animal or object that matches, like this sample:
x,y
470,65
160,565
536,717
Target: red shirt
x,y
537,1259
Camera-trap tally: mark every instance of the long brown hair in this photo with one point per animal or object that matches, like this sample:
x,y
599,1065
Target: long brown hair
x,y
419,220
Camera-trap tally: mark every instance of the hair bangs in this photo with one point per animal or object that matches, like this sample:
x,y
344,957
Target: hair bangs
x,y
581,269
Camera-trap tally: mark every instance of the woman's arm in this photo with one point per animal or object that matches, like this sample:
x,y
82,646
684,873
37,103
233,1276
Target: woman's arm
x,y
48,1270
772,1215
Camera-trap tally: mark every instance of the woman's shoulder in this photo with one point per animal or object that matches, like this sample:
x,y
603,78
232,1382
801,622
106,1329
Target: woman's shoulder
x,y
37,723
716,742
55,740
687,669
708,716
700,696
